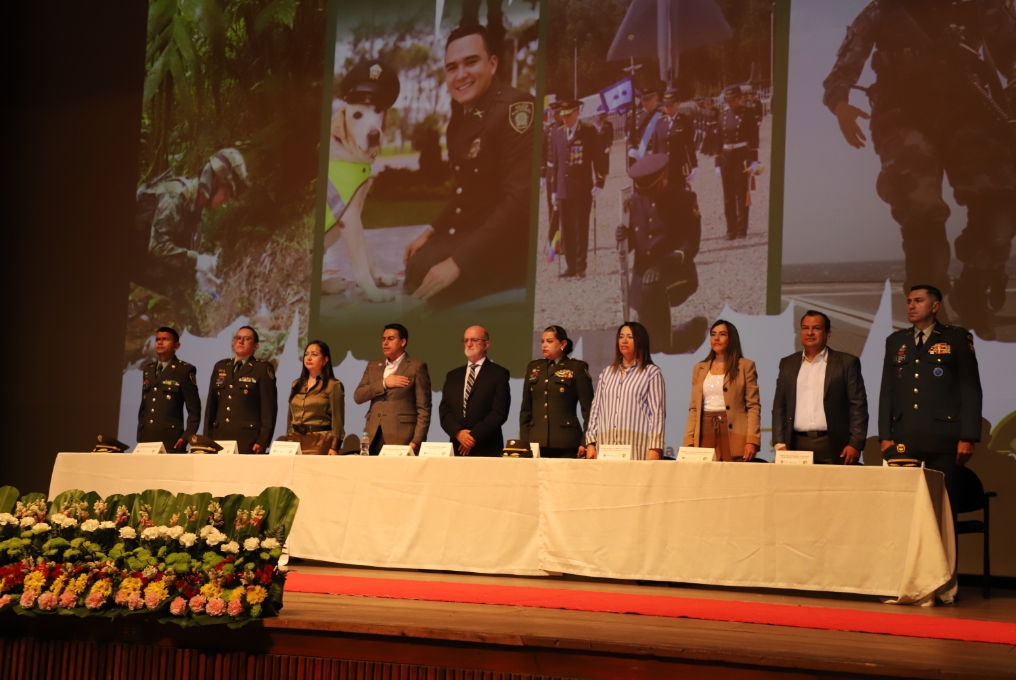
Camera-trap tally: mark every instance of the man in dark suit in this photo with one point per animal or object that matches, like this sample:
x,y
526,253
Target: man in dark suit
x,y
576,160
398,389
675,136
820,403
169,384
243,400
475,401
929,407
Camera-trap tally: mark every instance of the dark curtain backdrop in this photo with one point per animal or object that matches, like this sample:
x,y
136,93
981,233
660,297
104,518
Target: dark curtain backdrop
x,y
72,85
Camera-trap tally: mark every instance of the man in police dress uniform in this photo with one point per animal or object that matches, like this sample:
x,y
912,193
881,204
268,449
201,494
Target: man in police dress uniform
x,y
737,160
243,400
606,131
675,136
930,403
474,246
169,384
547,416
576,160
647,117
665,231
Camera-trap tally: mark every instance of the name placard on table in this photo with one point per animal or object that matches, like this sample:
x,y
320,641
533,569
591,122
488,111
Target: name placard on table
x,y
228,447
614,452
784,457
285,449
438,449
695,454
149,448
396,450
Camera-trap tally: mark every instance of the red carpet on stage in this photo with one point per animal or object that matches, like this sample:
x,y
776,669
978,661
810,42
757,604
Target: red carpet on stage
x,y
824,618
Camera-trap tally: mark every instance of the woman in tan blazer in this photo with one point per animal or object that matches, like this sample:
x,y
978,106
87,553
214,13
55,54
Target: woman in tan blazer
x,y
724,412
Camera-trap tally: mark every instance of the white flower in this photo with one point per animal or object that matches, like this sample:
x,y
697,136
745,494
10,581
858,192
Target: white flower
x,y
57,517
206,530
27,521
215,538
149,572
107,525
150,534
68,522
128,532
231,547
90,525
283,568
163,530
269,544
187,540
7,518
40,527
175,532
251,544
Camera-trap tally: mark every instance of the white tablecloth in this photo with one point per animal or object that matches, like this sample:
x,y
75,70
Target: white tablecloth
x,y
877,531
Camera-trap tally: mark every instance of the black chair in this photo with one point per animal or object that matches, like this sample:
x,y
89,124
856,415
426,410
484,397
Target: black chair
x,y
971,498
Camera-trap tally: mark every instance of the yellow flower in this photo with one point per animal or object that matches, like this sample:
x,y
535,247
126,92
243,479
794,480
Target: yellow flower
x,y
35,581
78,585
158,587
210,591
3,584
130,585
235,594
256,595
58,585
103,587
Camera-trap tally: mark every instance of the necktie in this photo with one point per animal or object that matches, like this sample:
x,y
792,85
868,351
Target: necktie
x,y
158,369
920,340
237,366
469,387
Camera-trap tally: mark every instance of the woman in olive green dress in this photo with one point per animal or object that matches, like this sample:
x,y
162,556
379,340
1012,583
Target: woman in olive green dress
x,y
317,404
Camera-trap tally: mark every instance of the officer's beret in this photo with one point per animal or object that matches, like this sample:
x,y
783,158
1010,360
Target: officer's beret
x,y
108,444
671,96
370,82
647,171
732,91
200,443
570,106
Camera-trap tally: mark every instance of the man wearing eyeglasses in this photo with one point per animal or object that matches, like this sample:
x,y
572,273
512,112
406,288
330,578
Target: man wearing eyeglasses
x,y
476,398
242,397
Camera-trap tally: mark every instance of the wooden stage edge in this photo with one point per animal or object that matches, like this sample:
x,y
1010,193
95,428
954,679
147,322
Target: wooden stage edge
x,y
330,636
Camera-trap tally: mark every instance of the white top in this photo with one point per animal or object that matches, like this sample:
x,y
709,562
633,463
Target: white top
x,y
392,366
476,373
712,393
809,413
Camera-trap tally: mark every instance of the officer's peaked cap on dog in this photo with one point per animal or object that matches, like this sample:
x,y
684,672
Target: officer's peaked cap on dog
x,y
370,82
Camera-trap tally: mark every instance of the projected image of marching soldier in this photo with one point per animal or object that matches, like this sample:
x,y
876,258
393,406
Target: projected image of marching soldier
x,y
737,160
940,110
675,137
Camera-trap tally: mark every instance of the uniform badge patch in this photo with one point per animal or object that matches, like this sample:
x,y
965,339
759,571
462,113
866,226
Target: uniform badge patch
x,y
474,150
520,115
565,373
938,371
901,448
940,348
375,71
271,373
193,378
533,374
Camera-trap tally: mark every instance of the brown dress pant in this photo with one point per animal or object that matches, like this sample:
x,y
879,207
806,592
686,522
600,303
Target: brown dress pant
x,y
714,435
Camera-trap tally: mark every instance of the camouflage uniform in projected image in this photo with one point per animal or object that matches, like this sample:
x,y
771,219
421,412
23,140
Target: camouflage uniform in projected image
x,y
168,219
937,108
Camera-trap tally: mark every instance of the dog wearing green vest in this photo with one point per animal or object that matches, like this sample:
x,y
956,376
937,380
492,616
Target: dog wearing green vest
x,y
368,91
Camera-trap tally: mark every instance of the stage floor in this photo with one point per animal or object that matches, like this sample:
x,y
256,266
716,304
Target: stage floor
x,y
593,644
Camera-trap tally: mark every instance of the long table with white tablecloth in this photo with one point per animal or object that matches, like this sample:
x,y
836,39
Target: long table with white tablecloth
x,y
871,530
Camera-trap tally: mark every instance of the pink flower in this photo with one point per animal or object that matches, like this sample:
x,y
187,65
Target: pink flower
x,y
68,599
27,600
47,601
215,606
134,601
95,600
120,598
152,600
197,604
235,608
178,607
4,601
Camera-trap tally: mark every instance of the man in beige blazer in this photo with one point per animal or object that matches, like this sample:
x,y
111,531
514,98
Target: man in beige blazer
x,y
398,389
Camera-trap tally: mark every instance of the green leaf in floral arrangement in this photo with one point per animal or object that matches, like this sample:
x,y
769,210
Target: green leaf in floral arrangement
x,y
192,509
32,497
280,506
158,503
240,528
62,502
113,503
230,504
8,497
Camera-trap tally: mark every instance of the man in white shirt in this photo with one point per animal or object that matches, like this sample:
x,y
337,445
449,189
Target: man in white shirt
x,y
398,389
820,403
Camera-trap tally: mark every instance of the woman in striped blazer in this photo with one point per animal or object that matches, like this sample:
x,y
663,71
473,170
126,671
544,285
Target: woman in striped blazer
x,y
630,403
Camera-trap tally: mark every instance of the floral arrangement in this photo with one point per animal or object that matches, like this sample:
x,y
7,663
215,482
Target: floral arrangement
x,y
191,559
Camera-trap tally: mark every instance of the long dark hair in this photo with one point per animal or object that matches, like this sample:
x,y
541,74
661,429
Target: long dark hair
x,y
562,337
640,336
326,373
733,353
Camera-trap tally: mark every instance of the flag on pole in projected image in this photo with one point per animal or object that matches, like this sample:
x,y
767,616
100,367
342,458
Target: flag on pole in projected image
x,y
618,95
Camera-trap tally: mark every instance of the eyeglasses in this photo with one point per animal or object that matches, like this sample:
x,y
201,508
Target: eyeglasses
x,y
473,341
243,338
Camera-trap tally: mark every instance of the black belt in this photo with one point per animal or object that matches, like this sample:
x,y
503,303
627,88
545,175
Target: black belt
x,y
812,434
307,429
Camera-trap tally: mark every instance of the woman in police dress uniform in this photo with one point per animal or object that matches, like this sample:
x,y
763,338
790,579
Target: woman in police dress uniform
x,y
317,404
554,385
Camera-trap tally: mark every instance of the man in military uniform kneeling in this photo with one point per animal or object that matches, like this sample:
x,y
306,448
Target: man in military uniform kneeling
x,y
665,231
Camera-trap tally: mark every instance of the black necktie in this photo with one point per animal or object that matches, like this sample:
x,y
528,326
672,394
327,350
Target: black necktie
x,y
158,370
920,340
237,366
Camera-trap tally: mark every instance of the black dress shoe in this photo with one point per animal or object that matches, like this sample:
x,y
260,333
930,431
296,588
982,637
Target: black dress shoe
x,y
568,273
582,274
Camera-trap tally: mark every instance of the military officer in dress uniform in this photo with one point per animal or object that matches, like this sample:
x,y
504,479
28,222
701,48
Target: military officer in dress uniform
x,y
548,134
576,161
243,400
930,403
606,131
675,136
638,139
473,247
169,384
665,231
736,160
554,386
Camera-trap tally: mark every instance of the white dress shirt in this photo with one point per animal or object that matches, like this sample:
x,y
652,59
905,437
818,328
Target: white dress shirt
x,y
809,413
392,366
476,374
